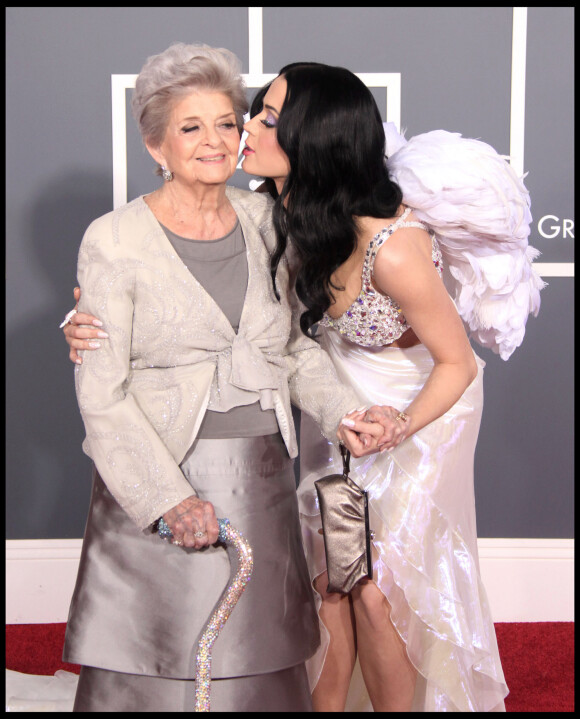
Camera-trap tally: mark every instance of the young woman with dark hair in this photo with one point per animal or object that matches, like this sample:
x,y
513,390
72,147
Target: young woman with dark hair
x,y
333,137
370,275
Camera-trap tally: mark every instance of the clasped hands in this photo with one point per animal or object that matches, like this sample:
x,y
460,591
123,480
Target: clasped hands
x,y
377,429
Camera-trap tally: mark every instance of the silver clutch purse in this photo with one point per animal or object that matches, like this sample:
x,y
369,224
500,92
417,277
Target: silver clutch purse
x,y
345,525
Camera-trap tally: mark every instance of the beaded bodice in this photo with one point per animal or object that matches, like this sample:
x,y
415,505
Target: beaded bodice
x,y
375,319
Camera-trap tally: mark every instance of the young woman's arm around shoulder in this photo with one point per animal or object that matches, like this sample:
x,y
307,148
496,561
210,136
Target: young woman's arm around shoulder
x,y
404,270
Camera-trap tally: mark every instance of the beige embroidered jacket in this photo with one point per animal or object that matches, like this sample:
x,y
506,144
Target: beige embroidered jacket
x,y
171,354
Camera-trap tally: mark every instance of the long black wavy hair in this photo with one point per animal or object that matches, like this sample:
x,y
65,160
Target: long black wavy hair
x,y
332,133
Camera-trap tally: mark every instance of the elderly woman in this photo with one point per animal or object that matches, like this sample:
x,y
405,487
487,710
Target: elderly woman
x,y
187,416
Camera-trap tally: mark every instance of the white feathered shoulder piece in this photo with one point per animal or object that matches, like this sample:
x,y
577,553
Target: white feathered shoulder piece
x,y
479,209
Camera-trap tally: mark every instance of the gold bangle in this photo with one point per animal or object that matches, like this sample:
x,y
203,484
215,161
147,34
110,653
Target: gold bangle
x,y
403,416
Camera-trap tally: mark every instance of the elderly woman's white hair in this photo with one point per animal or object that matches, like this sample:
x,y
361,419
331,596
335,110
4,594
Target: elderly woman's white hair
x,y
177,71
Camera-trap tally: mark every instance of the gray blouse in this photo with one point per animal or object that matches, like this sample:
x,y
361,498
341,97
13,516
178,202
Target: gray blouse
x,y
221,267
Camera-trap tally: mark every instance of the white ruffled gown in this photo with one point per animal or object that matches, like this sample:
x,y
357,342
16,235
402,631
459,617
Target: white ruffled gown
x,y
421,494
422,510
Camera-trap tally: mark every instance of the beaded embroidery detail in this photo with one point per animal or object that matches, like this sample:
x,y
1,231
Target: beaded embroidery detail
x,y
374,319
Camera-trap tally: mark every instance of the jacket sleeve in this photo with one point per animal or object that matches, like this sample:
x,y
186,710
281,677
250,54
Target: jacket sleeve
x,y
314,385
134,463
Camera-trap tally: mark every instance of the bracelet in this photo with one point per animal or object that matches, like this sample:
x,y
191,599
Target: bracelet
x,y
403,416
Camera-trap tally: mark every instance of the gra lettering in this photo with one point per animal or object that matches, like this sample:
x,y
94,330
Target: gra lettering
x,y
566,227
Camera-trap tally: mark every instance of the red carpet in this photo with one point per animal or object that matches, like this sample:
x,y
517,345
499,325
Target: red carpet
x,y
36,649
538,664
537,659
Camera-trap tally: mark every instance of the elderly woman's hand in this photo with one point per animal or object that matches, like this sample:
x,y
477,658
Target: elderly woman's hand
x,y
82,332
395,425
193,523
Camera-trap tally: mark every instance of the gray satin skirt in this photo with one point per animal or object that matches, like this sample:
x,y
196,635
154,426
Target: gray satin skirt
x,y
100,690
140,604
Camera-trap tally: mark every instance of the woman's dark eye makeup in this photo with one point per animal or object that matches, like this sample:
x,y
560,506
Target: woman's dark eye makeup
x,y
270,120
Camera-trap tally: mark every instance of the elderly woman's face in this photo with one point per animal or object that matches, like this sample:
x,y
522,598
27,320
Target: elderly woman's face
x,y
202,141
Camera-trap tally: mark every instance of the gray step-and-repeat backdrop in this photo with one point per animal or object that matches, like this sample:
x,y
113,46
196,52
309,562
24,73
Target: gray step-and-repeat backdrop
x,y
500,74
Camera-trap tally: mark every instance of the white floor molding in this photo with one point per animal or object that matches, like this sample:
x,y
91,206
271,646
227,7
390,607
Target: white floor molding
x,y
527,580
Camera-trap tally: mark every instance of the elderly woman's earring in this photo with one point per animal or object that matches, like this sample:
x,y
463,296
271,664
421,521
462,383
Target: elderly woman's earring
x,y
167,174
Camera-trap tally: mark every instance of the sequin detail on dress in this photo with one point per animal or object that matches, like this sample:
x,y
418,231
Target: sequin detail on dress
x,y
374,319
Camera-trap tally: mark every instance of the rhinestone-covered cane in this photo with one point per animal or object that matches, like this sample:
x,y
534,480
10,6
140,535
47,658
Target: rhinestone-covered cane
x,y
228,600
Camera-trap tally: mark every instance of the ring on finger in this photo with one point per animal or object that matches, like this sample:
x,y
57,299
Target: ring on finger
x,y
68,318
177,543
199,534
